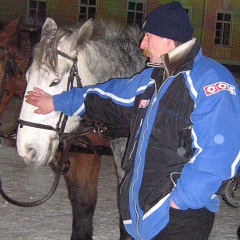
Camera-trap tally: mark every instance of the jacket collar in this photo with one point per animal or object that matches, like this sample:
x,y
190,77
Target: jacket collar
x,y
179,59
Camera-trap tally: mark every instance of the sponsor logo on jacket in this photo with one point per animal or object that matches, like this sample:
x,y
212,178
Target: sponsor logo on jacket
x,y
219,86
143,103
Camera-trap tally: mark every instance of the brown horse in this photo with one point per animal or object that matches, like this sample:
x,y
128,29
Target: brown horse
x,y
15,52
82,181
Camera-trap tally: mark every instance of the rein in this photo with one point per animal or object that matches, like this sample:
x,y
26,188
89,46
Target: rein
x,y
38,202
64,163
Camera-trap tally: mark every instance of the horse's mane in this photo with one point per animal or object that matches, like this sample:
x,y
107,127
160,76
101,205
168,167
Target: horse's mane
x,y
117,47
45,51
112,50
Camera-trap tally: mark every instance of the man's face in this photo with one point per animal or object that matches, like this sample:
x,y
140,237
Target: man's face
x,y
154,46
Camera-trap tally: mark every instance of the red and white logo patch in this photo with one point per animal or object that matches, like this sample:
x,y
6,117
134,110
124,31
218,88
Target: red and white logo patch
x,y
219,86
143,103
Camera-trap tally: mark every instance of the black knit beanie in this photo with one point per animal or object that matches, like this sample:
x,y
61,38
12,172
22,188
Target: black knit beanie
x,y
170,21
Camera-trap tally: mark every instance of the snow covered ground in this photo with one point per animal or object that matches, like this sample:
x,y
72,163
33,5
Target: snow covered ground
x,y
52,220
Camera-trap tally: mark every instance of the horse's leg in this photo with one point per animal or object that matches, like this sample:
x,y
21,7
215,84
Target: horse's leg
x,y
118,148
81,181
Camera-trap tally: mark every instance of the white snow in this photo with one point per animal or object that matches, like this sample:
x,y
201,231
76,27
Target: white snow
x,y
52,220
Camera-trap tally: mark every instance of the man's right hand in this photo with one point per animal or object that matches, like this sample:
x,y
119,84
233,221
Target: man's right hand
x,y
40,99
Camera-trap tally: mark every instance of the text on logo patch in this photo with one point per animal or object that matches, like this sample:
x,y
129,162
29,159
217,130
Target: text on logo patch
x,y
219,86
143,103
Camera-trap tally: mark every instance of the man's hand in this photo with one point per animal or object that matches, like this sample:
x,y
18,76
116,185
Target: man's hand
x,y
40,99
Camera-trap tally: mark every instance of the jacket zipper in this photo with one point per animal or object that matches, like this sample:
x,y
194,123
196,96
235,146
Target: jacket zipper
x,y
134,144
134,201
157,92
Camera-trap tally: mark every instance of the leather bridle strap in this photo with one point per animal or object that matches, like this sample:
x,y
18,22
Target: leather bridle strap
x,y
36,125
74,71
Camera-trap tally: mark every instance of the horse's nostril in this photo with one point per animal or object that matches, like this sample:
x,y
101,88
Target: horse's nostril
x,y
31,154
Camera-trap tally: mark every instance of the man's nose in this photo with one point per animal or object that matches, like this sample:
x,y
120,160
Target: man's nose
x,y
143,44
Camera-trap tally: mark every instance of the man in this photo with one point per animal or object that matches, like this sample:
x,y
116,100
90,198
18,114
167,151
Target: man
x,y
183,112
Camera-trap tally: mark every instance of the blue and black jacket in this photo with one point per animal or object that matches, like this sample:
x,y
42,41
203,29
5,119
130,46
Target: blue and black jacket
x,y
191,91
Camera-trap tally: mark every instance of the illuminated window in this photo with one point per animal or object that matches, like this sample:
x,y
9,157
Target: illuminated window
x,y
87,9
37,12
136,12
223,28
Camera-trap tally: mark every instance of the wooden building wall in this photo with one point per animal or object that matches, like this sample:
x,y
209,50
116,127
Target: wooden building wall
x,y
225,54
11,10
63,12
109,9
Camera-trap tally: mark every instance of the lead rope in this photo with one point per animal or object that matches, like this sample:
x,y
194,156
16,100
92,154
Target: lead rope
x,y
38,202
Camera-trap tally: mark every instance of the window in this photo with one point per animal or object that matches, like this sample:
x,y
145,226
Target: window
x,y
37,12
223,28
136,12
87,10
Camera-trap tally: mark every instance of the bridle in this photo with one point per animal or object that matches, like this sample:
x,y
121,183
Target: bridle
x,y
62,118
66,138
11,70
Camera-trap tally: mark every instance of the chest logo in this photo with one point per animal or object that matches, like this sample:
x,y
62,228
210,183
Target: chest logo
x,y
219,86
143,103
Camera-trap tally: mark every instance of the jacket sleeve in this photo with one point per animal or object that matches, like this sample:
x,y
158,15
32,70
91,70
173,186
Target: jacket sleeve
x,y
110,102
216,137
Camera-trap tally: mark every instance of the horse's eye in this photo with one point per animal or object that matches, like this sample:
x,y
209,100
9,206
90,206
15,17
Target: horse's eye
x,y
54,83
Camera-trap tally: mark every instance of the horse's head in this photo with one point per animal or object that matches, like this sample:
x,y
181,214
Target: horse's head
x,y
98,50
53,58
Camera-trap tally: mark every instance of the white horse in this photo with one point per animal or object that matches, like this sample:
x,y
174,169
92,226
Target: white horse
x,y
99,51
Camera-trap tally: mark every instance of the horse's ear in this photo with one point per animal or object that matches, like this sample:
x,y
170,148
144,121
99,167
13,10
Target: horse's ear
x,y
49,25
10,31
84,33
